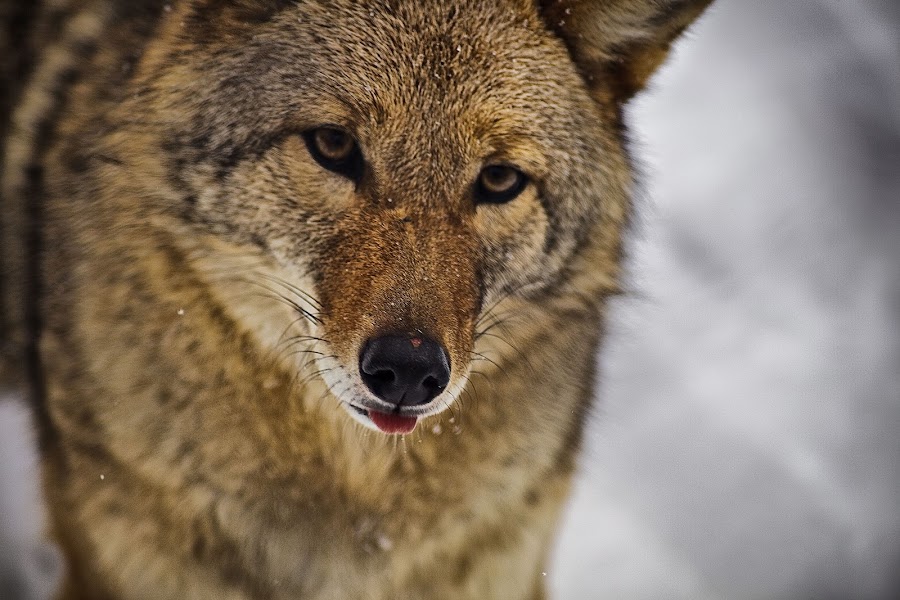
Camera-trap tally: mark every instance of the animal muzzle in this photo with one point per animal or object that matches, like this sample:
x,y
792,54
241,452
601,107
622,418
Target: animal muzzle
x,y
399,304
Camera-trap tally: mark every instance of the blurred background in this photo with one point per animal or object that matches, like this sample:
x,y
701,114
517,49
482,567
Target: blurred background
x,y
746,442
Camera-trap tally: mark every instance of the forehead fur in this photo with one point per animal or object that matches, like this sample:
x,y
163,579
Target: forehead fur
x,y
402,67
401,54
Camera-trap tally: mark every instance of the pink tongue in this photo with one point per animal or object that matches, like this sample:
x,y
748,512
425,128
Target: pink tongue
x,y
393,423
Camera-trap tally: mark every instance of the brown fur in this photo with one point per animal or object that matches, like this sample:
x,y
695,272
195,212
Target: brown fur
x,y
188,291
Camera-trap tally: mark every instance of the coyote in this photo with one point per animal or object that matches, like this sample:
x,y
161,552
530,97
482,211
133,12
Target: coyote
x,y
307,295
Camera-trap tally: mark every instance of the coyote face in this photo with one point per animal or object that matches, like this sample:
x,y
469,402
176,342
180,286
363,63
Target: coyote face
x,y
403,174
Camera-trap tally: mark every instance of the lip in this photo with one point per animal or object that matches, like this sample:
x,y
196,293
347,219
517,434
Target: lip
x,y
392,423
363,408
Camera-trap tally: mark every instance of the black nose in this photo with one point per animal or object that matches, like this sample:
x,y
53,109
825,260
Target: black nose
x,y
404,370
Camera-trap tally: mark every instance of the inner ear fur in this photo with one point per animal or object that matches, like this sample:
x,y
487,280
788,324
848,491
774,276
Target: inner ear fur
x,y
618,44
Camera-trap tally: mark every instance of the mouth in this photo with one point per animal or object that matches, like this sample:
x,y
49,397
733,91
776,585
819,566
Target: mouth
x,y
394,424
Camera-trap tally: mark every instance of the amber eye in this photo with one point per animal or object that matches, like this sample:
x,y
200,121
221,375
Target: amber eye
x,y
333,144
336,150
499,183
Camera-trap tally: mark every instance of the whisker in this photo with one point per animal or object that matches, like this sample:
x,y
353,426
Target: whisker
x,y
291,287
506,294
490,381
314,374
295,382
309,337
484,357
288,302
474,372
288,328
497,322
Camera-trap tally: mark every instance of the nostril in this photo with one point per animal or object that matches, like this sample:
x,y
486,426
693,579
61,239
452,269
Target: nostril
x,y
403,370
384,376
431,383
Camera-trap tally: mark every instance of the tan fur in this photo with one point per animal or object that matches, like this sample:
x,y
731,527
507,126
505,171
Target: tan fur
x,y
203,287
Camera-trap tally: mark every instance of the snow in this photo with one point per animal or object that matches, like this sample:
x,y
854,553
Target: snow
x,y
747,439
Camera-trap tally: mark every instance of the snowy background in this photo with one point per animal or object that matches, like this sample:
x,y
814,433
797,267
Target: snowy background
x,y
746,443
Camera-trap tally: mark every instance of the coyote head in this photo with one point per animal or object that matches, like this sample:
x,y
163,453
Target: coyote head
x,y
395,169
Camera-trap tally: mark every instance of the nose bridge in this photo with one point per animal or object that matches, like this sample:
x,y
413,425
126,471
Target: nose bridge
x,y
432,275
407,270
422,165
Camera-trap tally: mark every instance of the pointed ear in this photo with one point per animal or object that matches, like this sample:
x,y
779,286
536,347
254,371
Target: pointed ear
x,y
618,44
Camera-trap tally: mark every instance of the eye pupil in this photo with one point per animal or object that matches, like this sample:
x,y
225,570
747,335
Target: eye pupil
x,y
499,179
335,150
333,143
499,183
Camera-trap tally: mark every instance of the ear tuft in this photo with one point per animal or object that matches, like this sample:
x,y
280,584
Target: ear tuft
x,y
620,43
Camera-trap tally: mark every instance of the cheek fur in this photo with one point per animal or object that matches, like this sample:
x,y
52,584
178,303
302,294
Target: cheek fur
x,y
513,237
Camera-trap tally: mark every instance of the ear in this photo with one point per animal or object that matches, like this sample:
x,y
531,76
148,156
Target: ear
x,y
618,44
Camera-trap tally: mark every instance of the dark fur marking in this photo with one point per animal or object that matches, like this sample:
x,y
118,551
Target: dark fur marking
x,y
462,569
259,241
16,63
86,417
34,246
551,239
77,163
109,160
94,450
198,548
33,289
227,556
186,449
164,395
228,157
210,18
669,11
